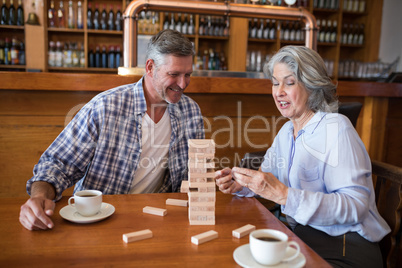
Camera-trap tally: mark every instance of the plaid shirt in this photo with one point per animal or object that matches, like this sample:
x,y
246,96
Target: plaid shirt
x,y
101,147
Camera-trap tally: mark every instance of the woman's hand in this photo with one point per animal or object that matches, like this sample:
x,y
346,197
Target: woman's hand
x,y
225,181
261,183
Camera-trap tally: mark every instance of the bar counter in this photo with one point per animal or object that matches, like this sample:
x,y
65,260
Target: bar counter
x,y
239,114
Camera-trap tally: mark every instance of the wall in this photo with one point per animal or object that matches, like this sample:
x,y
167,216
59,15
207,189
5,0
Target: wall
x,y
391,32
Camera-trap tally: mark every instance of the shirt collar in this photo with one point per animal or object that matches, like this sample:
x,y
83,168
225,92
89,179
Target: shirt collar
x,y
311,125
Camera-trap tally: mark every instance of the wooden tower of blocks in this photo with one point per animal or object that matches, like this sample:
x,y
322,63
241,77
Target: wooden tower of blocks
x,y
201,173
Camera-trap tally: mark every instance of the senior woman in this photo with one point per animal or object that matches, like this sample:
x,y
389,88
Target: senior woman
x,y
317,168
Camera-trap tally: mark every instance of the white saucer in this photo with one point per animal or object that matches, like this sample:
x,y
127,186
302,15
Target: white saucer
x,y
242,255
70,213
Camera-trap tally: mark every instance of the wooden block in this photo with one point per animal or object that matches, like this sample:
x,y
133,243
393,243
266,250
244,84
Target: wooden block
x,y
176,202
155,211
201,184
201,143
184,188
201,165
201,155
205,175
194,222
204,237
135,236
242,231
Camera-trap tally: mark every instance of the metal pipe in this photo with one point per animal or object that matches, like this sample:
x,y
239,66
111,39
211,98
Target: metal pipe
x,y
130,18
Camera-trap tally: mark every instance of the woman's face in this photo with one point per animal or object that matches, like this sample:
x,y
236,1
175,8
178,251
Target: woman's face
x,y
289,95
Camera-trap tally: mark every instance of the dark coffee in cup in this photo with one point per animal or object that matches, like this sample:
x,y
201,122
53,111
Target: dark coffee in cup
x,y
268,238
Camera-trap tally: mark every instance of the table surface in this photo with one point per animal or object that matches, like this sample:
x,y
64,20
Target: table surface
x,y
100,244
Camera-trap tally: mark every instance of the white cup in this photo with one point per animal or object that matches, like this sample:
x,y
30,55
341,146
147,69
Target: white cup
x,y
268,246
87,202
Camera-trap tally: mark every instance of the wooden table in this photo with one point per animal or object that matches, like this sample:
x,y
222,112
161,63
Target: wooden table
x,y
100,244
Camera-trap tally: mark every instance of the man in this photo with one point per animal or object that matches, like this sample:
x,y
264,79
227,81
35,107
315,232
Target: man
x,y
130,139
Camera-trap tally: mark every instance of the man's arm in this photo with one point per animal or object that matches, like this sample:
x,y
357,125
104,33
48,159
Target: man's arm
x,y
35,213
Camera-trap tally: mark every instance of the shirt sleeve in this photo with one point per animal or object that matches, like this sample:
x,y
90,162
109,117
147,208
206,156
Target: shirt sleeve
x,y
66,160
346,197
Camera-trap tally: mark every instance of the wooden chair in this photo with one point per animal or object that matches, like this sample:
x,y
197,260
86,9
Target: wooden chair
x,y
388,192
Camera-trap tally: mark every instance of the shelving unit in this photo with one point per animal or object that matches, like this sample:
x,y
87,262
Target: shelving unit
x,y
235,46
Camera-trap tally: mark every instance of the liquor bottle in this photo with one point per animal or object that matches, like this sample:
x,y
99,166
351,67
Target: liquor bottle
x,y
80,17
96,17
286,31
1,51
334,31
191,25
178,23
59,55
155,23
104,57
292,33
184,27
216,25
22,53
328,32
253,33
4,14
67,59
227,27
91,57
89,16
119,21
323,30
97,57
210,29
61,15
75,59
14,52
51,60
350,34
71,24
110,22
20,14
12,17
201,26
103,18
344,34
51,15
111,58
140,24
172,24
166,21
81,55
361,35
7,51
117,57
356,35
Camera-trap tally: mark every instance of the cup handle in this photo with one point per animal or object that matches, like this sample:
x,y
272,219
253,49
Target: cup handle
x,y
294,256
69,201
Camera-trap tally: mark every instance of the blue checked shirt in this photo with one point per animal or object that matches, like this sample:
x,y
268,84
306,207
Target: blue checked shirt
x,y
101,147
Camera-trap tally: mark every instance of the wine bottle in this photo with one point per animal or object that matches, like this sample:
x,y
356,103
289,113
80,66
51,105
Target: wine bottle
x,y
91,58
81,55
4,14
117,57
191,25
178,24
111,58
14,52
22,53
71,24
166,21
51,61
61,14
59,55
1,51
80,19
103,18
51,15
89,16
7,53
12,18
20,14
104,57
110,21
96,17
119,21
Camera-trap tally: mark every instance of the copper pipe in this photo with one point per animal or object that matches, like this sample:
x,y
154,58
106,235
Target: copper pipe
x,y
130,18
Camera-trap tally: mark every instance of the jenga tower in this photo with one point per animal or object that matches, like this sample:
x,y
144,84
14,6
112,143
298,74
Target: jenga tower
x,y
201,173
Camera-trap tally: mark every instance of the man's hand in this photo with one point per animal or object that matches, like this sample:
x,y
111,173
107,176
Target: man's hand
x,y
35,213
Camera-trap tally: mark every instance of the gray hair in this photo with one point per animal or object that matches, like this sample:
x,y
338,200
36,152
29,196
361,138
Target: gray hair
x,y
309,69
168,42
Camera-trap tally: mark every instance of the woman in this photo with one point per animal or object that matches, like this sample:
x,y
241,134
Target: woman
x,y
317,167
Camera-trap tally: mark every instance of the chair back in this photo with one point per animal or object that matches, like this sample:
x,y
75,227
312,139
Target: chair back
x,y
351,110
388,192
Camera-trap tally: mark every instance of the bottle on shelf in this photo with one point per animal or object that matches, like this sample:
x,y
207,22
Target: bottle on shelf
x,y
292,32
323,30
110,22
1,51
351,34
226,30
172,24
334,31
89,16
51,59
15,59
61,15
117,57
59,55
111,57
103,57
166,21
4,14
80,17
191,27
97,57
91,57
329,30
184,27
81,55
155,22
51,15
7,51
103,18
21,54
272,31
66,56
20,14
96,17
361,35
71,22
201,26
119,21
75,58
178,23
12,17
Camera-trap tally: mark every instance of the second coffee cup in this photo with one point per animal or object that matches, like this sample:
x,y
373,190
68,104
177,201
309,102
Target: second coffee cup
x,y
87,202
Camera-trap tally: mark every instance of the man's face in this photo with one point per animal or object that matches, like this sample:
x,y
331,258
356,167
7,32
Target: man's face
x,y
170,79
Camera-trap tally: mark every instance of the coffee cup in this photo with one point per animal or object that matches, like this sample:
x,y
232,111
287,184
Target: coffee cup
x,y
86,202
268,246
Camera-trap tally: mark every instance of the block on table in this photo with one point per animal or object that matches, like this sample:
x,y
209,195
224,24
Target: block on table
x,y
242,231
154,211
176,202
135,236
204,237
184,188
